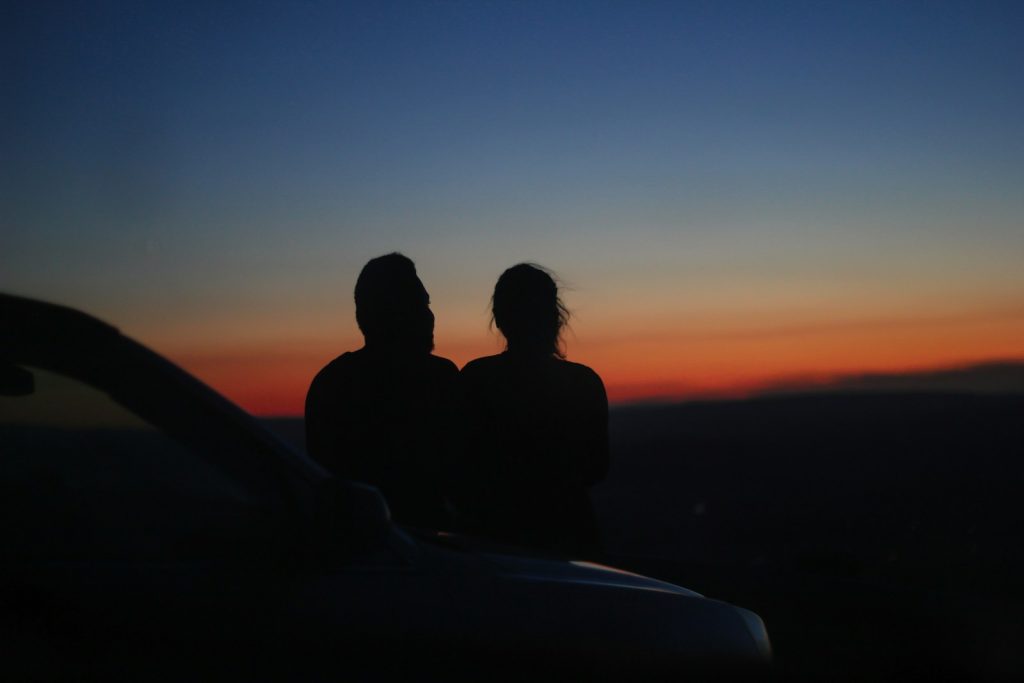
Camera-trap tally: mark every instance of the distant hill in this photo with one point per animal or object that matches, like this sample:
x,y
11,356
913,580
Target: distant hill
x,y
902,487
891,482
888,485
877,534
996,377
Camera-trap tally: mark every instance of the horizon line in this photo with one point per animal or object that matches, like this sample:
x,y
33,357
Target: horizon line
x,y
793,385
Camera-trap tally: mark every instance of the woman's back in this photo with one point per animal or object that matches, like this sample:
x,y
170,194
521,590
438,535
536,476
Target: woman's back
x,y
539,429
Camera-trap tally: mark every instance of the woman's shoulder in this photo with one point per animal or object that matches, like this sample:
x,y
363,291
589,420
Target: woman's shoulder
x,y
577,370
483,364
582,381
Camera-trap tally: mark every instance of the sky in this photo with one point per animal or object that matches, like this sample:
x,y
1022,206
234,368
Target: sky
x,y
733,194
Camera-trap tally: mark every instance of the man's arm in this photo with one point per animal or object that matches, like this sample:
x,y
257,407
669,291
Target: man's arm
x,y
320,442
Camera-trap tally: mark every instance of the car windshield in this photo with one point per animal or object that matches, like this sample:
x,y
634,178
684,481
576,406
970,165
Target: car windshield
x,y
86,477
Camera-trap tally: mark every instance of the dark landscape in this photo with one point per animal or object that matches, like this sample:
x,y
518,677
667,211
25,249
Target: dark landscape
x,y
877,534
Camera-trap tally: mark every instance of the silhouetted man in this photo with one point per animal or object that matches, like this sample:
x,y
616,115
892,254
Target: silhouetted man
x,y
385,414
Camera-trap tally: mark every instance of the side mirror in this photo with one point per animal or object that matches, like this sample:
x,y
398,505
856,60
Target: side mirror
x,y
354,514
366,511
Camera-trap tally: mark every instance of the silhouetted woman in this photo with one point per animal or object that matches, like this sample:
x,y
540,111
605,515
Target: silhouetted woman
x,y
539,425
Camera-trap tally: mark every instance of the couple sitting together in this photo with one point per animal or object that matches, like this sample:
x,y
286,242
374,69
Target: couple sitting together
x,y
505,449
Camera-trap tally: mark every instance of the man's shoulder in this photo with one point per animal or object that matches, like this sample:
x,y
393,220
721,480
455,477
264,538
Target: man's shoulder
x,y
352,363
335,376
441,365
349,359
344,366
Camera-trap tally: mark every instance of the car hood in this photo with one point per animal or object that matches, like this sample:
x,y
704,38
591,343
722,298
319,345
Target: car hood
x,y
523,564
527,568
547,598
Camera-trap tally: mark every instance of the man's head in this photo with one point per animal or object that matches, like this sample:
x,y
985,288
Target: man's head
x,y
392,305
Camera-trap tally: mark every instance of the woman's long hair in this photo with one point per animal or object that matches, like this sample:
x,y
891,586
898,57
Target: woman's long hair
x,y
527,310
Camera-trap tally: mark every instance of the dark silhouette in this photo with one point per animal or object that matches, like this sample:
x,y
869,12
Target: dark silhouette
x,y
539,426
386,414
151,530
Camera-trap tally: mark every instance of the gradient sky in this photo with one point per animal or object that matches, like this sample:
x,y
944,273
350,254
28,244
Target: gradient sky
x,y
735,192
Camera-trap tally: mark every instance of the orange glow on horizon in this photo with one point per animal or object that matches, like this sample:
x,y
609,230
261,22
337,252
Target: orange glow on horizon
x,y
271,380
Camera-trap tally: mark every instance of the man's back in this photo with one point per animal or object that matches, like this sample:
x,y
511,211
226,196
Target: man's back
x,y
389,420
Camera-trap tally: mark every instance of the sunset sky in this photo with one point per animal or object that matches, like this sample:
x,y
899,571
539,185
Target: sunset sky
x,y
733,193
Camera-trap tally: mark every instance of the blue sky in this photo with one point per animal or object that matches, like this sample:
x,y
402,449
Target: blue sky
x,y
216,173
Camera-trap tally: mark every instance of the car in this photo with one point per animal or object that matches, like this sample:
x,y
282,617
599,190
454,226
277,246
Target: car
x,y
152,530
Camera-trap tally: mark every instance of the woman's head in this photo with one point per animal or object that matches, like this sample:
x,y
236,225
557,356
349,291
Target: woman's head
x,y
528,311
